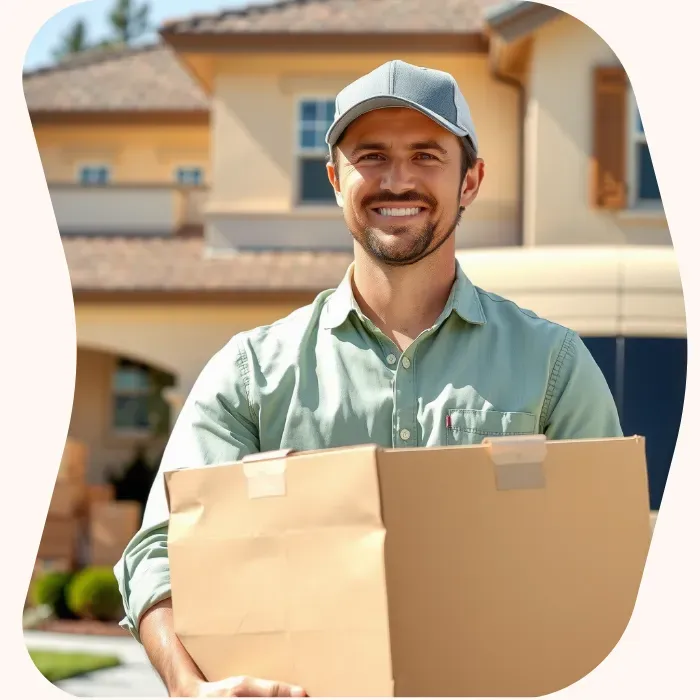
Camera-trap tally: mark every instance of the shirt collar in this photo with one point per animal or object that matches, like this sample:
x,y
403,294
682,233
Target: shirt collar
x,y
463,300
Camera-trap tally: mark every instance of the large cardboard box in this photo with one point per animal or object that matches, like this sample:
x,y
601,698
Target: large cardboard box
x,y
506,569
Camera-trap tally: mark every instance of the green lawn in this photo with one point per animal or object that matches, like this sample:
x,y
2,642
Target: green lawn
x,y
58,665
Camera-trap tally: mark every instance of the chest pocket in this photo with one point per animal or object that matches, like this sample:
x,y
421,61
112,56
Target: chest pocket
x,y
471,426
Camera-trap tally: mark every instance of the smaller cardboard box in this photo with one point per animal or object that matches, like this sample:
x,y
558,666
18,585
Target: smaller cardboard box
x,y
112,524
59,539
96,493
66,499
74,461
100,555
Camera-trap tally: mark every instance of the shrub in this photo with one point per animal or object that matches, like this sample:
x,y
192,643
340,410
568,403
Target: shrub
x,y
93,594
50,589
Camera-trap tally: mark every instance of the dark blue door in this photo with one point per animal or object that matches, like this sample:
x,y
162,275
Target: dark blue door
x,y
647,378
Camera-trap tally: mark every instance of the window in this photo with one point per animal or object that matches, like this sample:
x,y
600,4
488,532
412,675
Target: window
x,y
314,119
131,395
644,190
189,177
94,175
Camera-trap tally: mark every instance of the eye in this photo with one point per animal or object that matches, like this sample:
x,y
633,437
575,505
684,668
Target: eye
x,y
370,156
428,156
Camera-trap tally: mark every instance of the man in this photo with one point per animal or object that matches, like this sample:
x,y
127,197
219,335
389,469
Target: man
x,y
406,352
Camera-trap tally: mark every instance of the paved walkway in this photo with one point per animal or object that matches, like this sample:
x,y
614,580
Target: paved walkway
x,y
134,678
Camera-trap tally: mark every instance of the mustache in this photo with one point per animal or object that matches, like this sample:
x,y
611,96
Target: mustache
x,y
393,198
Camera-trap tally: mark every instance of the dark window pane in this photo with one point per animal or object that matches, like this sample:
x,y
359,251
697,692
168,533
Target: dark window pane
x,y
308,111
648,187
131,377
131,412
315,187
654,390
330,112
308,138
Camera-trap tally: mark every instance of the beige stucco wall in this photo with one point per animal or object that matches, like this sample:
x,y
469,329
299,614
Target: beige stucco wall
x,y
178,338
558,135
136,154
254,132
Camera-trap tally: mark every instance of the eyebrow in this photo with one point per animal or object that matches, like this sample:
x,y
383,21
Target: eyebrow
x,y
430,145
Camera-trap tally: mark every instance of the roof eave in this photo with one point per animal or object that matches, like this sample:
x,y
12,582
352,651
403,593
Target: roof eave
x,y
514,21
229,42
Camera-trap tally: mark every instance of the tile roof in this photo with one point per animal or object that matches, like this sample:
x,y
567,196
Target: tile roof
x,y
104,264
341,16
140,79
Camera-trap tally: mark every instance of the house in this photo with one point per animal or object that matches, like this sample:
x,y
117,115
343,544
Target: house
x,y
188,181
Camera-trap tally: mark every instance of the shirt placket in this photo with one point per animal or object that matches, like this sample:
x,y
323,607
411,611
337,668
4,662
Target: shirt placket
x,y
405,386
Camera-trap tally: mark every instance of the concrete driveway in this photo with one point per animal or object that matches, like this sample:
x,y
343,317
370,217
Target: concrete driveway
x,y
134,678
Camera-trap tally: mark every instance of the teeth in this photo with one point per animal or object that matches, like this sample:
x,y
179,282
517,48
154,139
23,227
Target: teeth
x,y
399,212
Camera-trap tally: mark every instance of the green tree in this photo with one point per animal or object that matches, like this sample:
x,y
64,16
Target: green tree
x,y
73,41
129,20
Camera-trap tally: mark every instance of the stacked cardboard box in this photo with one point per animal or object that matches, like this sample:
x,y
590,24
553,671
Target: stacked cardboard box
x,y
111,525
60,541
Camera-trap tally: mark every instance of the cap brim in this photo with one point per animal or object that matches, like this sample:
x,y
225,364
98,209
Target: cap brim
x,y
382,102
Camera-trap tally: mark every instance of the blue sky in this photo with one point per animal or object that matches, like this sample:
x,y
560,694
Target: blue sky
x,y
95,12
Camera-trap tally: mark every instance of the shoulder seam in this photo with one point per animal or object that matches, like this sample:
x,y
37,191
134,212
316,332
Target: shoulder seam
x,y
566,347
528,314
243,368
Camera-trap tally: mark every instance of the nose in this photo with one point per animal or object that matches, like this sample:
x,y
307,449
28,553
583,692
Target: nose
x,y
396,177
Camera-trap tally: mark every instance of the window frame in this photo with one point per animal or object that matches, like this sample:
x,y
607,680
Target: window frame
x,y
300,152
635,137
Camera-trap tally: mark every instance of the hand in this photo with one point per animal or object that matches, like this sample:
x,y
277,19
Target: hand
x,y
245,687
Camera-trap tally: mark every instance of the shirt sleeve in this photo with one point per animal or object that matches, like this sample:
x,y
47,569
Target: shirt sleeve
x,y
579,402
215,425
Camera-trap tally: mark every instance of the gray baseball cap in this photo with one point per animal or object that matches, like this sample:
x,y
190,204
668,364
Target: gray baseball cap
x,y
399,84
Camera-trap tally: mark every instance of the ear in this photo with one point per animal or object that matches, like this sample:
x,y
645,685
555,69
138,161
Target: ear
x,y
472,183
335,183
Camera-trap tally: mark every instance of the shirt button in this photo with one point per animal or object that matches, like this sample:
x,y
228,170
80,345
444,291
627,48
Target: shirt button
x,y
405,434
391,359
406,363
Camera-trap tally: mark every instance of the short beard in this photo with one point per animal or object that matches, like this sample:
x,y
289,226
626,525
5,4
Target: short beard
x,y
420,250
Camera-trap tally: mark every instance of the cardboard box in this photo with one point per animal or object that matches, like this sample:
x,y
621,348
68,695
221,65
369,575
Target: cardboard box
x,y
67,498
112,524
100,555
505,569
59,539
74,461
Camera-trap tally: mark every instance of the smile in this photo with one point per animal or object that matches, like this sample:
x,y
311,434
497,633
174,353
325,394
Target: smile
x,y
399,211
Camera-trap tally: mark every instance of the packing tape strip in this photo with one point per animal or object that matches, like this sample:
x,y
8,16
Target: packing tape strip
x,y
518,461
265,473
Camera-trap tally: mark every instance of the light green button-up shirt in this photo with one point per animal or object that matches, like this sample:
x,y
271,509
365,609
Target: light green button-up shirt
x,y
326,376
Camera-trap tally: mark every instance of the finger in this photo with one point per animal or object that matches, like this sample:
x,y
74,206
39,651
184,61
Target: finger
x,y
258,687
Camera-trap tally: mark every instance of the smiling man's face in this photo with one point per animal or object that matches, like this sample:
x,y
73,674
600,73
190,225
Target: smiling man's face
x,y
399,174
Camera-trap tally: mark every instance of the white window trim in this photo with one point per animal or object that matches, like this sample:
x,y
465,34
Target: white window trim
x,y
299,152
634,138
95,165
